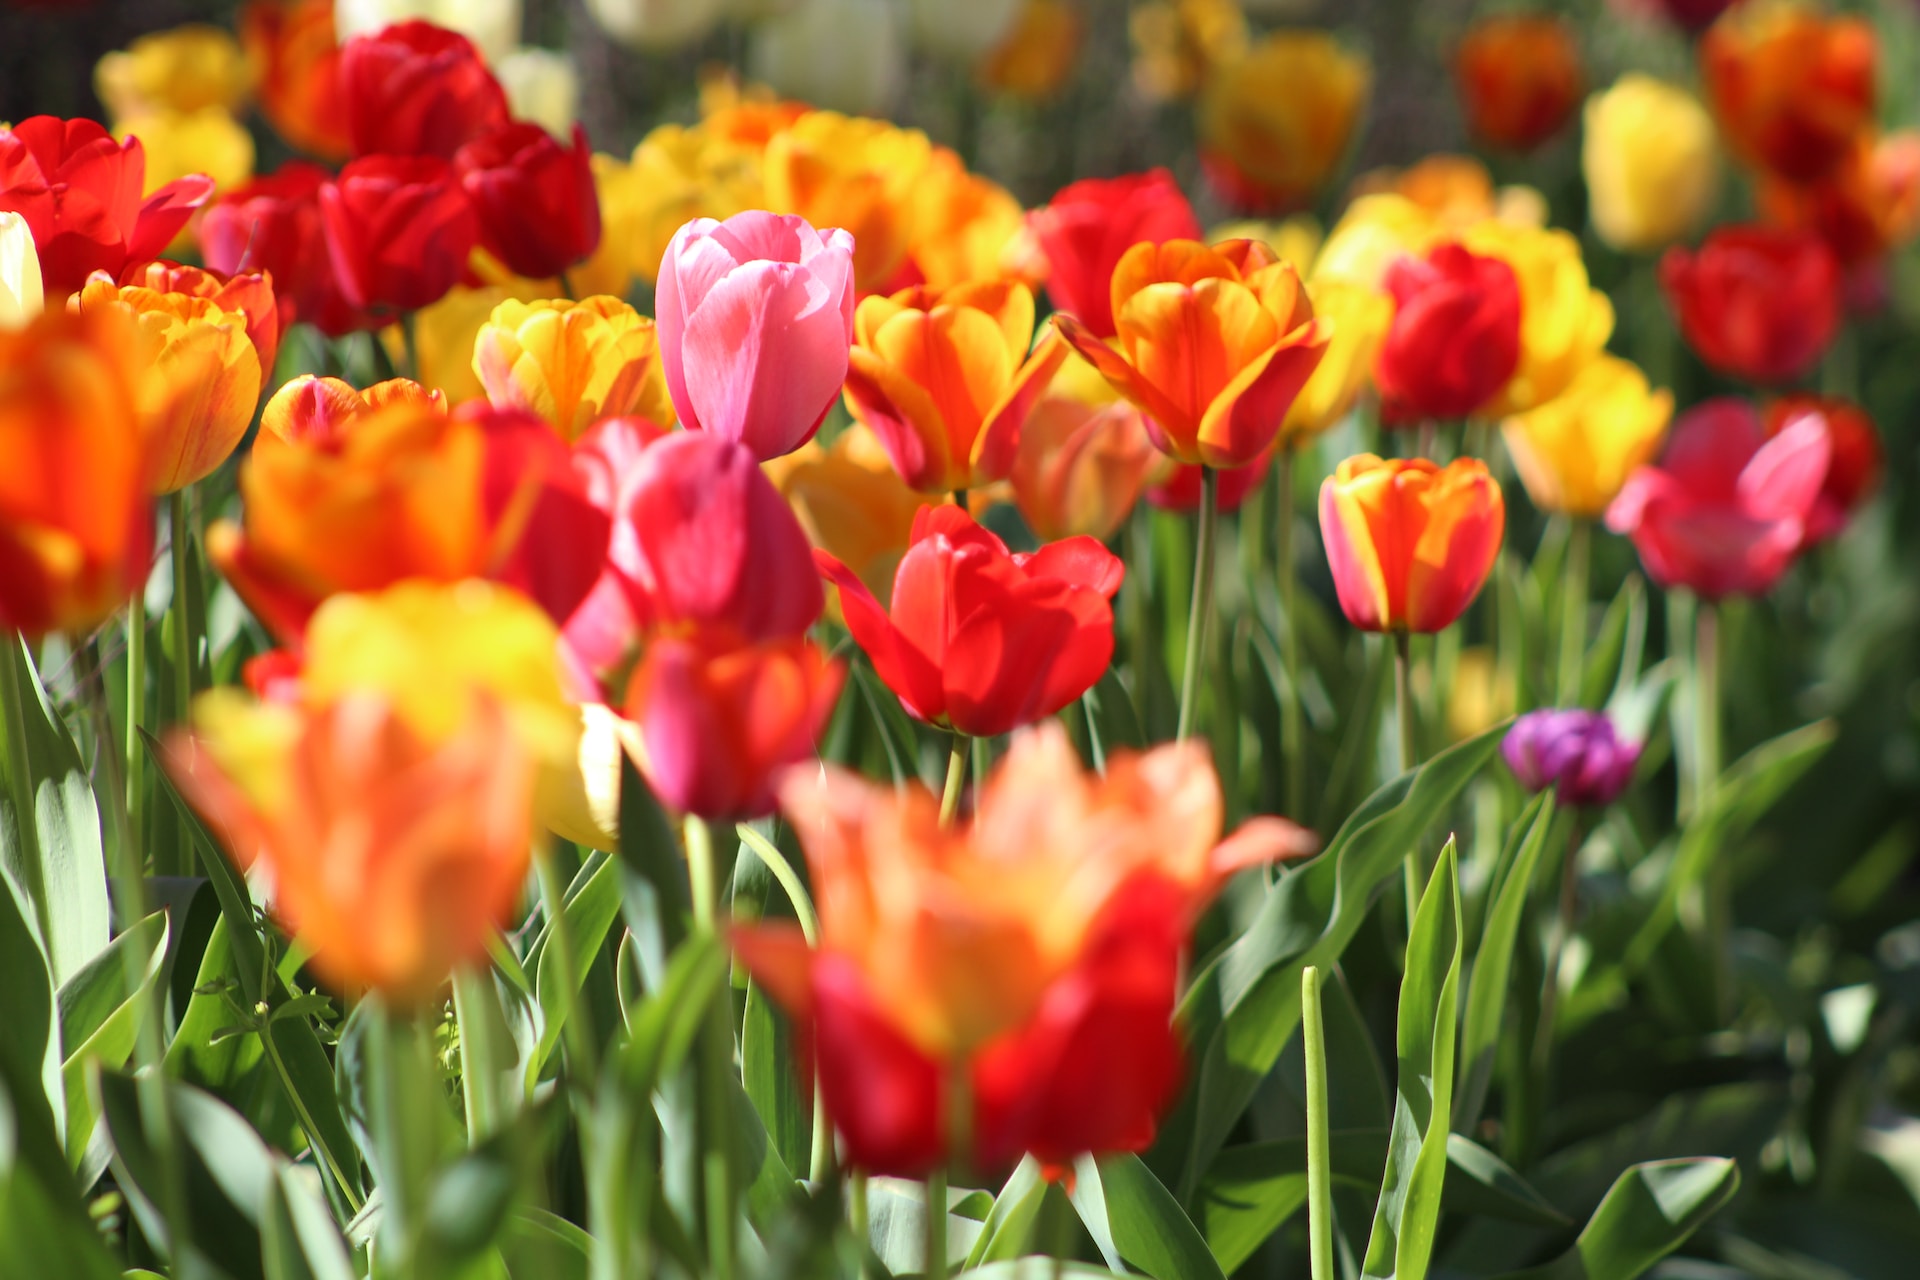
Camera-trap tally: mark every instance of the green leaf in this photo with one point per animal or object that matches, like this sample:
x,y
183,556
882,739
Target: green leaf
x,y
46,1232
1038,1268
1493,962
1649,1212
539,1245
1408,1215
1479,1182
1135,1220
767,1057
298,1238
1244,1006
30,1046
897,1226
100,1018
592,905
1009,1226
655,883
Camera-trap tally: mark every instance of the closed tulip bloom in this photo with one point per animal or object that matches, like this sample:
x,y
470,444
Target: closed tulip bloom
x,y
1564,321
538,210
945,379
1574,452
979,640
1214,344
863,175
1857,459
1359,317
320,411
1575,752
1410,542
292,44
414,89
1725,510
76,528
851,503
1652,163
182,69
1083,460
1519,77
399,230
1755,302
22,297
1868,206
273,225
1032,953
80,191
1089,226
1455,337
1274,125
755,317
572,363
1792,87
247,293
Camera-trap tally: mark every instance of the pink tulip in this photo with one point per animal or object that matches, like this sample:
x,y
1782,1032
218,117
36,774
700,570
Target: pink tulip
x,y
1726,510
755,316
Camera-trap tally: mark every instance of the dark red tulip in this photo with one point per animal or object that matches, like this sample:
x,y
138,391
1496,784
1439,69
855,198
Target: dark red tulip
x,y
1455,337
1755,302
1091,223
399,230
273,224
535,199
414,89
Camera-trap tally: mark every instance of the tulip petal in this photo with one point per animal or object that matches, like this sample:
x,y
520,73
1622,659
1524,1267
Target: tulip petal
x,y
998,443
885,1096
1244,418
1784,477
164,214
1125,379
1024,652
1079,562
903,416
901,666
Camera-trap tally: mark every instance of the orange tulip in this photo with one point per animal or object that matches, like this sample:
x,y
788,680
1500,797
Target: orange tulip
x,y
1868,206
945,379
1037,55
572,363
297,64
856,174
76,531
318,411
965,228
199,381
1213,345
1084,458
1274,124
1793,89
1410,542
851,503
1520,79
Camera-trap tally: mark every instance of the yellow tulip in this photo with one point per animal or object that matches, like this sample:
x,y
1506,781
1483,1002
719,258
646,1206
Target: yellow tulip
x,y
444,334
1360,317
1564,322
572,363
1374,231
1651,161
859,174
1575,452
179,143
183,69
623,196
963,227
679,173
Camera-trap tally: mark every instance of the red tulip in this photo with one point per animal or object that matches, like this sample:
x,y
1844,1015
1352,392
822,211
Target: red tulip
x,y
536,203
273,224
1091,223
79,189
399,230
414,89
1755,302
1792,88
1726,510
1181,491
981,640
1519,77
1858,458
1455,337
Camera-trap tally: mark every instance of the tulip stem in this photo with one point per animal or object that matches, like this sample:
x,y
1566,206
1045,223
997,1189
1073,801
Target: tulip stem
x,y
13,692
956,777
1198,615
716,1064
1403,702
857,1211
180,627
1319,1161
136,752
410,343
937,1224
576,1032
1563,929
1292,721
1706,727
566,287
1573,618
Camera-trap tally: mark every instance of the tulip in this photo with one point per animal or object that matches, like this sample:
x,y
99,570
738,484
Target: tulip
x,y
398,229
845,55
273,225
572,363
1032,954
199,377
1090,225
1179,44
292,43
1564,322
444,334
1726,510
1856,463
415,89
964,229
1866,208
1574,752
492,25
1213,346
1360,318
1755,302
1274,124
945,379
79,191
1791,87
538,211
76,529
247,293
863,175
1651,161
207,143
678,174
1037,54
657,24
1181,489
1410,543
755,317
1455,337
183,69
542,87
978,640
1082,464
851,503
1575,452
320,411
1519,77
21,294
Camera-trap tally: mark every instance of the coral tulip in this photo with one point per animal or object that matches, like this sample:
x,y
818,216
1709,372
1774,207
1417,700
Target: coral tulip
x,y
1455,337
1089,226
1213,346
1410,543
1519,77
399,230
247,293
76,529
1575,752
1726,510
755,317
1652,163
572,363
1857,461
980,640
1082,463
273,225
538,210
414,89
80,191
1564,321
1033,952
1274,124
300,90
1574,452
22,295
1792,88
945,379
851,503
1755,302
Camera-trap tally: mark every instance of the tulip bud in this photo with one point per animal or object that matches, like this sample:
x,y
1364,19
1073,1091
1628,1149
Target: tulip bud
x,y
1651,161
1755,302
1574,752
1410,543
538,211
398,229
21,295
1455,337
572,363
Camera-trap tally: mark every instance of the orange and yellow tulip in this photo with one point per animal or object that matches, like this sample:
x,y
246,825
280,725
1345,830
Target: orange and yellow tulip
x,y
965,228
1410,542
1274,124
1213,345
857,174
572,363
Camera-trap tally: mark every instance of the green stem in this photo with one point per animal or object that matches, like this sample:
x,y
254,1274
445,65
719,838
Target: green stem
x,y
566,287
354,1199
1706,708
857,1211
20,775
1202,607
479,1057
180,630
937,1224
1563,929
716,1064
577,1033
136,752
1319,1162
1403,701
394,1066
410,343
1292,719
956,778
1573,617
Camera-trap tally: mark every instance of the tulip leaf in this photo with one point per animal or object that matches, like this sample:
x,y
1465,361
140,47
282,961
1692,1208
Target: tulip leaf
x,y
298,1237
1408,1214
1009,1225
1038,1268
1493,962
539,1245
592,905
1135,1221
1648,1213
100,1017
768,1051
45,1229
1243,1007
655,885
897,1226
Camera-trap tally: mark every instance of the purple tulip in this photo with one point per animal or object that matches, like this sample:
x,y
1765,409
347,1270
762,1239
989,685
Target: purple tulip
x,y
1575,752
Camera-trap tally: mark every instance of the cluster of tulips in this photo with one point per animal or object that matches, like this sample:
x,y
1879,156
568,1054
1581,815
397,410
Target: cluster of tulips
x,y
526,571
